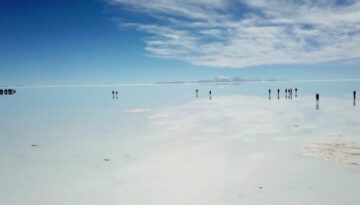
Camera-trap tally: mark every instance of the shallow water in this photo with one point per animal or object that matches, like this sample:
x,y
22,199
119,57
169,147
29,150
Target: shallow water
x,y
160,144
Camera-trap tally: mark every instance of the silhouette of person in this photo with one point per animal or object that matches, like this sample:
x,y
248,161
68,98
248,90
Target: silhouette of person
x,y
1,91
354,94
269,94
113,92
209,94
317,96
278,92
295,92
116,92
197,93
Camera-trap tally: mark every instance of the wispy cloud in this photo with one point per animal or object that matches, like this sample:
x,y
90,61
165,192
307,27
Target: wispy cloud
x,y
243,33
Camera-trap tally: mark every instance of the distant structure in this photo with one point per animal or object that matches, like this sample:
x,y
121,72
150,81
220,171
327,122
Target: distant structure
x,y
7,91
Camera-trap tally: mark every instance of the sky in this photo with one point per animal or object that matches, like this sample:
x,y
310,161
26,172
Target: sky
x,y
127,41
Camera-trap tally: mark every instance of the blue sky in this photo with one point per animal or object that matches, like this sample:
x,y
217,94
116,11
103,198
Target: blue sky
x,y
124,41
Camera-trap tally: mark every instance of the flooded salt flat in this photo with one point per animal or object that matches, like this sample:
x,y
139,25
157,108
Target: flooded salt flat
x,y
162,145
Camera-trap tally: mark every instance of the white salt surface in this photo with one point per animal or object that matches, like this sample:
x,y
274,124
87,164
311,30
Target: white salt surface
x,y
230,150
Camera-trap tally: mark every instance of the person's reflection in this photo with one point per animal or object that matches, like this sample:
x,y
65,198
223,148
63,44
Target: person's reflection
x,y
317,105
354,102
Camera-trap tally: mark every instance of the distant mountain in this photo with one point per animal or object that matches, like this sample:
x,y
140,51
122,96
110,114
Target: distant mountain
x,y
171,82
226,79
217,79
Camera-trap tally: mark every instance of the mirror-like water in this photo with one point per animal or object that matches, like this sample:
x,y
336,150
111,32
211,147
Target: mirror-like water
x,y
161,144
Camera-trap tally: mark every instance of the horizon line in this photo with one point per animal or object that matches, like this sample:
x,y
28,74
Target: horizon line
x,y
176,83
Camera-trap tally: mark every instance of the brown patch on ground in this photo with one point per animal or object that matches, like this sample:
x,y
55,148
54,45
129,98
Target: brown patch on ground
x,y
338,151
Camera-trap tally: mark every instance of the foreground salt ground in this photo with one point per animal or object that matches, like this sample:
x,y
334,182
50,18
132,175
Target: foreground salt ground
x,y
248,150
230,150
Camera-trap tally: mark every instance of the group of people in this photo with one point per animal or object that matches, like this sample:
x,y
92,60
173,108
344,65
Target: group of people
x,y
115,94
197,93
288,93
7,91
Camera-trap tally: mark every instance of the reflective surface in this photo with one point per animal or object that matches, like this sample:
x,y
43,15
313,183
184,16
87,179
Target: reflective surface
x,y
164,145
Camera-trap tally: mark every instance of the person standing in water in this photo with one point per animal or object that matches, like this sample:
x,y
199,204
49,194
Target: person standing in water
x,y
269,94
197,93
278,92
317,96
354,94
295,92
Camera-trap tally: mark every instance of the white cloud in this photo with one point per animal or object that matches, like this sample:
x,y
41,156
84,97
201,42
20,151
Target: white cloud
x,y
236,34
